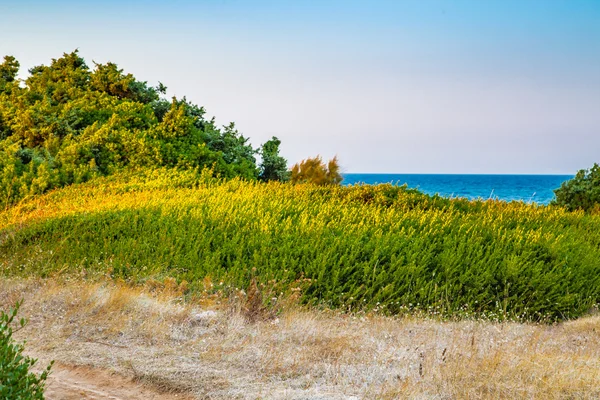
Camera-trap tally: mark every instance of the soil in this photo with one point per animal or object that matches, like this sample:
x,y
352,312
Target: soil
x,y
83,383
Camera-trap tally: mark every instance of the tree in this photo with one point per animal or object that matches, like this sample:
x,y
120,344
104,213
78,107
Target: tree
x,y
236,151
8,75
273,166
581,192
69,123
8,72
314,170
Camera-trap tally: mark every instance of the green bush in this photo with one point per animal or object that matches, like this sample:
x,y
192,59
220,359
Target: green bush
x,y
68,123
16,379
273,166
384,247
582,192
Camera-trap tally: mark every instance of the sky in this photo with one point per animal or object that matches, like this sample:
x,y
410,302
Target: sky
x,y
404,86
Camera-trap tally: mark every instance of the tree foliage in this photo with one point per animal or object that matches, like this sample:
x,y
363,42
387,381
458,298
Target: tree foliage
x,y
67,123
315,171
273,166
581,192
16,379
8,72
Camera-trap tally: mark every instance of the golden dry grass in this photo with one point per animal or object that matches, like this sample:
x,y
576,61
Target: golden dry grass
x,y
214,352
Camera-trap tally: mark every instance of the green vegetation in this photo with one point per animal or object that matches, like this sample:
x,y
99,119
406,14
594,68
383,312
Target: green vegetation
x,y
273,166
581,192
16,379
384,248
67,124
154,190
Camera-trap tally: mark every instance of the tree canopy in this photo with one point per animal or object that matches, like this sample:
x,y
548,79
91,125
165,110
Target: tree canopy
x,y
67,123
581,192
273,166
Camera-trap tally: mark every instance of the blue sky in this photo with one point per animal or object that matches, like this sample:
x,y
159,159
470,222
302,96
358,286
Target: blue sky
x,y
389,86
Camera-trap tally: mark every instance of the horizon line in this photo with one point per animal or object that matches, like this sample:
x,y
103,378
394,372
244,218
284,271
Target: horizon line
x,y
455,173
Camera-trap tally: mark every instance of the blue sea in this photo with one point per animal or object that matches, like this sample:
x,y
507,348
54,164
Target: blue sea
x,y
528,188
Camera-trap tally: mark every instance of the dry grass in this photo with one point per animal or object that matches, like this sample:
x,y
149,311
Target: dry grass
x,y
215,352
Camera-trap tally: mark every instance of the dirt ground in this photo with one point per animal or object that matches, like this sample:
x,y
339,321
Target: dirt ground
x,y
113,341
69,382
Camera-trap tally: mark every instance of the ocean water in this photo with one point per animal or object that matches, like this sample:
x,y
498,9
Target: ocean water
x,y
528,188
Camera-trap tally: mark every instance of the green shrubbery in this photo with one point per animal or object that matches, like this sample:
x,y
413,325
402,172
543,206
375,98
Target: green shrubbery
x,y
273,166
155,210
67,123
383,247
16,379
581,192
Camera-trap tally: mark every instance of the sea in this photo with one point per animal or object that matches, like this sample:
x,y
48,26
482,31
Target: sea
x,y
528,188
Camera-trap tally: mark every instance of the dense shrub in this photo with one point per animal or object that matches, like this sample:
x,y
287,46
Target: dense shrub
x,y
582,192
67,123
315,171
273,167
16,379
362,247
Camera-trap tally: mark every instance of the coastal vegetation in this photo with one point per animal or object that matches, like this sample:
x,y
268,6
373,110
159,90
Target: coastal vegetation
x,y
66,123
384,248
144,236
582,192
315,171
101,176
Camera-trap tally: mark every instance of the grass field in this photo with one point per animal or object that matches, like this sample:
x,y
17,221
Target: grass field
x,y
382,248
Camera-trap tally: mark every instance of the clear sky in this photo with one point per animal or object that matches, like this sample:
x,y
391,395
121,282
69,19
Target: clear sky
x,y
407,86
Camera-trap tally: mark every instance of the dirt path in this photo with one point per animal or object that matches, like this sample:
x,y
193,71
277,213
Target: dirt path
x,y
101,335
75,383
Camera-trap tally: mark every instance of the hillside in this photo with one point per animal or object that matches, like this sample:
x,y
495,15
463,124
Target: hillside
x,y
150,243
381,248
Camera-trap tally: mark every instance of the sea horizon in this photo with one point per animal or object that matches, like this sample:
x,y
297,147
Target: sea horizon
x,y
530,188
451,173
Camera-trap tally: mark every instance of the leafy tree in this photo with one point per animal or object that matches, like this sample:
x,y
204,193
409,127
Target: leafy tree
x,y
234,147
314,170
273,166
110,79
581,192
16,379
8,72
69,123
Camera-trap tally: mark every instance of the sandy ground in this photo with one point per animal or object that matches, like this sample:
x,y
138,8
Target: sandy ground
x,y
111,341
84,383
